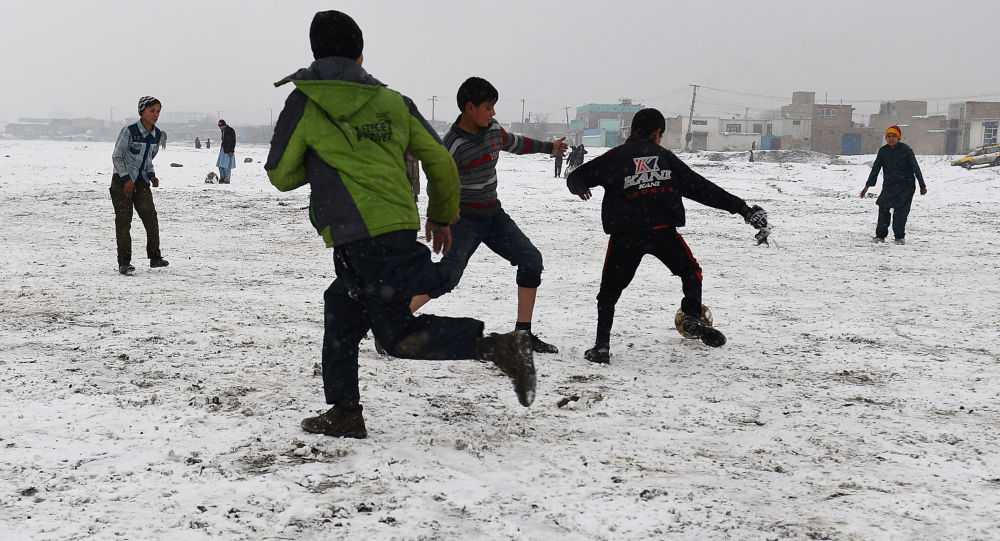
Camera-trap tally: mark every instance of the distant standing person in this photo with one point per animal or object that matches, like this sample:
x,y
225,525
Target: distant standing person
x,y
227,159
197,143
899,168
559,160
132,157
208,143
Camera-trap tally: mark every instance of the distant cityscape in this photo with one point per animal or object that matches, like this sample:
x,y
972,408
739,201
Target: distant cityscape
x,y
802,124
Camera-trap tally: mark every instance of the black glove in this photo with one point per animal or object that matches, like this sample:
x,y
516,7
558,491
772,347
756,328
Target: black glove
x,y
756,217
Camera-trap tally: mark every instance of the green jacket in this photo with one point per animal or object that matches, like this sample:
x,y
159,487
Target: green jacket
x,y
345,133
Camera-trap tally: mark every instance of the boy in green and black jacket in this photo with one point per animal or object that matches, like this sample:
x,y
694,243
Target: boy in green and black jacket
x,y
345,134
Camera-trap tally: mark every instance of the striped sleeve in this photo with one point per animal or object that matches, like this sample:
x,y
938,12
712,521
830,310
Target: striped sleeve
x,y
519,144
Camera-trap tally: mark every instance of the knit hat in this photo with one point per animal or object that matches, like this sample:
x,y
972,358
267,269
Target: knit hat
x,y
647,121
894,129
147,101
333,33
222,122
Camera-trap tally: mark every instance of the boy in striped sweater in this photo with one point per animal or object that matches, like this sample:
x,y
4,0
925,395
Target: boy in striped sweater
x,y
475,141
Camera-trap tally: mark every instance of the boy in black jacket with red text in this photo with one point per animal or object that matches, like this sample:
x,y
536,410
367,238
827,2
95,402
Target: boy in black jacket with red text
x,y
642,209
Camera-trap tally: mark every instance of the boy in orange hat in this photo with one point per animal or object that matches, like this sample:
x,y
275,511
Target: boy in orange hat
x,y
899,167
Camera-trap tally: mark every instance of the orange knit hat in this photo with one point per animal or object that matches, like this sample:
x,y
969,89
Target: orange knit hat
x,y
894,129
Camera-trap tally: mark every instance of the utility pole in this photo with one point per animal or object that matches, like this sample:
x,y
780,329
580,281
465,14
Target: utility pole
x,y
621,115
567,117
522,111
687,137
112,115
433,100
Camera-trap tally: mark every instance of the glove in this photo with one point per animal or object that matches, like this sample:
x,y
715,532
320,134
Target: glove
x,y
756,217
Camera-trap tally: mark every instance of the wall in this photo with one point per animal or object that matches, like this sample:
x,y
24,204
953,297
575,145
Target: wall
x,y
829,123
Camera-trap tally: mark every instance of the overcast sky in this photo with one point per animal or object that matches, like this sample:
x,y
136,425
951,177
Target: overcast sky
x,y
72,58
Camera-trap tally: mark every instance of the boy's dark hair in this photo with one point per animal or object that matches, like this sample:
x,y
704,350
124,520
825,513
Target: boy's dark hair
x,y
477,90
647,121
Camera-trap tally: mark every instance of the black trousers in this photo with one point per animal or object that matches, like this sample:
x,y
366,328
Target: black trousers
x,y
898,219
625,252
376,279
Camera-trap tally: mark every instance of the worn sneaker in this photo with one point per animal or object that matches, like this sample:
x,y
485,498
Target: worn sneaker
x,y
541,347
337,423
511,353
158,262
126,269
598,354
878,239
707,333
901,240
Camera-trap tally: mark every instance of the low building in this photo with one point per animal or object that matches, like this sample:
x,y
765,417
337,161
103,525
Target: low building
x,y
976,122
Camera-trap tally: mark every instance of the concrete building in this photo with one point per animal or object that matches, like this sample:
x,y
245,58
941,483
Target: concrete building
x,y
603,124
976,123
923,133
795,130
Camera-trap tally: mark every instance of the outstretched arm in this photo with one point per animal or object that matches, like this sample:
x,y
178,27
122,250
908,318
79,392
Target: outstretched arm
x,y
873,176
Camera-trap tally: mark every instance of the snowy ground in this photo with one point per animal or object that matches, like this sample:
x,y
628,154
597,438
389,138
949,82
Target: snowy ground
x,y
856,398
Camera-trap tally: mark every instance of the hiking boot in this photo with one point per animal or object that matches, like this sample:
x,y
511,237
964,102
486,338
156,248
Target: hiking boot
x,y
598,354
511,353
878,239
541,347
379,349
338,423
707,333
158,262
900,240
126,269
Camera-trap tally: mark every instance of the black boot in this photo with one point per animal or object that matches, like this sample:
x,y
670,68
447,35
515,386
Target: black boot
x,y
338,423
598,354
511,353
542,347
707,333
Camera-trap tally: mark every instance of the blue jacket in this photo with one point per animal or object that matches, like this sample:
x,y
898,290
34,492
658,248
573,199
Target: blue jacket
x,y
134,153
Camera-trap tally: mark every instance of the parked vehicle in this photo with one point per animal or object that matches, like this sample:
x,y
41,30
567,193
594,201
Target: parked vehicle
x,y
985,155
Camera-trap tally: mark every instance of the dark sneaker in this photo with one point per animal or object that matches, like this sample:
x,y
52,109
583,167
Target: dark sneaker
x,y
707,333
542,347
901,240
126,269
878,239
158,262
511,353
598,354
379,349
338,423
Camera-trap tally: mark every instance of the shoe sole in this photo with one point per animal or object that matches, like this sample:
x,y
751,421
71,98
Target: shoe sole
x,y
351,434
525,379
713,338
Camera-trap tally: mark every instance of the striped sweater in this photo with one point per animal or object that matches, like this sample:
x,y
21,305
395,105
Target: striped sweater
x,y
476,156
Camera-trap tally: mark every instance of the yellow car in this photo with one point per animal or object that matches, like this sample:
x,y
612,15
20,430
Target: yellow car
x,y
987,155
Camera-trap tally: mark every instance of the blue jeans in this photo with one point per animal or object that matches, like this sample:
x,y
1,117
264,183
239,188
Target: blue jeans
x,y
499,232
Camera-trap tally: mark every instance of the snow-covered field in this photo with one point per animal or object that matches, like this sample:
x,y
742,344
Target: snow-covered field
x,y
857,397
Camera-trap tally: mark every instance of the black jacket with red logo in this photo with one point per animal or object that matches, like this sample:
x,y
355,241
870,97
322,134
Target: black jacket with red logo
x,y
643,186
